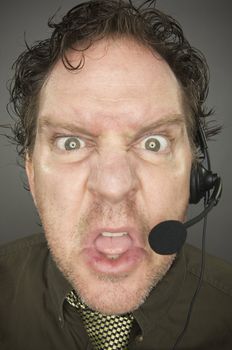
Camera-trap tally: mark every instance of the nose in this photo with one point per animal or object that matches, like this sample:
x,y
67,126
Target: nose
x,y
113,177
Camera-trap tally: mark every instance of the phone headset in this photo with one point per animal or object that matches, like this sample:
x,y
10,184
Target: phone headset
x,y
203,180
204,184
169,236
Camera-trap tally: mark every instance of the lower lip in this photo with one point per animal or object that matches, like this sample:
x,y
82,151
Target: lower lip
x,y
123,264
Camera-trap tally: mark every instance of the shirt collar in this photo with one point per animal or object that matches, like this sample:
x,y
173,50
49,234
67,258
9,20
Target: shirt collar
x,y
59,287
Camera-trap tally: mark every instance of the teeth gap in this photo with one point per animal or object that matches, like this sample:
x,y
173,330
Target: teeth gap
x,y
113,257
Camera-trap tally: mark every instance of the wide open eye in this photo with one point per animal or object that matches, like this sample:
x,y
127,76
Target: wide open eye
x,y
71,143
155,143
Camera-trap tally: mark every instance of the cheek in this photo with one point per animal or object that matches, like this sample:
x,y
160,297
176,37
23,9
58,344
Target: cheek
x,y
60,187
166,191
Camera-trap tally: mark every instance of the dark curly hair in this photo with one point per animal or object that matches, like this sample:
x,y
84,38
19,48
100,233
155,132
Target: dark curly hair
x,y
94,20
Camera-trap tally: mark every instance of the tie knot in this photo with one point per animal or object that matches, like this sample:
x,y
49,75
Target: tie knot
x,y
106,332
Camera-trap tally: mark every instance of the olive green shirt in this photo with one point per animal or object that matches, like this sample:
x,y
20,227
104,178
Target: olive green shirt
x,y
34,314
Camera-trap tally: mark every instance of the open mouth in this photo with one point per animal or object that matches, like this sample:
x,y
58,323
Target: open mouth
x,y
113,251
113,244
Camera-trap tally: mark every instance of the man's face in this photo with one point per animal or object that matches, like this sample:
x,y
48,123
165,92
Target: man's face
x,y
111,160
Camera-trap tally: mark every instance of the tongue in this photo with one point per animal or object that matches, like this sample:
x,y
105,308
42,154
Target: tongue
x,y
113,245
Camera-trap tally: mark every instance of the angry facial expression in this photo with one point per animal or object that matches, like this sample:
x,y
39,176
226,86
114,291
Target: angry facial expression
x,y
111,160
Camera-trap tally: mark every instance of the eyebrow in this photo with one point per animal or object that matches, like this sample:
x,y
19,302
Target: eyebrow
x,y
47,123
177,119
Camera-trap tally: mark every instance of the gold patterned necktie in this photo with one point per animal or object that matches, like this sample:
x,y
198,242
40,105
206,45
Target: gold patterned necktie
x,y
106,332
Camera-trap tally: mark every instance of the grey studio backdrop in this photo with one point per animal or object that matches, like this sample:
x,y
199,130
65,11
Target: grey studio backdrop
x,y
207,24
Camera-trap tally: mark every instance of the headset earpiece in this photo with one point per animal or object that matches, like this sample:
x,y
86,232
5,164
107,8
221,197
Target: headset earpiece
x,y
201,182
202,179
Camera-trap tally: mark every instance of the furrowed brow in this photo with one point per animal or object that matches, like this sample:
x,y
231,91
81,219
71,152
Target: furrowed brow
x,y
72,128
178,119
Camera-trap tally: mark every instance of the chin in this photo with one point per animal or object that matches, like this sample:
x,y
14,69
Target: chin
x,y
113,298
118,294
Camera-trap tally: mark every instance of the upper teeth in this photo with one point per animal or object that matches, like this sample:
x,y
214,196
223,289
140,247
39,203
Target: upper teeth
x,y
113,234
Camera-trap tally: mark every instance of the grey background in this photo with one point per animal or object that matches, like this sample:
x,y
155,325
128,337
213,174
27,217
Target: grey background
x,y
207,24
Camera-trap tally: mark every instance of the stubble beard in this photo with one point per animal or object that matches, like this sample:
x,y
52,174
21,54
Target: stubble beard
x,y
106,293
114,294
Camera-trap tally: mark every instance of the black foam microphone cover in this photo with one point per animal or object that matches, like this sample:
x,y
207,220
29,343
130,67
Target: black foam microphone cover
x,y
167,237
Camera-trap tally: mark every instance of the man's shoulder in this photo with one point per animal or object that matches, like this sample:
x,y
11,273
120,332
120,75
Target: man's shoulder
x,y
21,245
14,255
217,274
22,264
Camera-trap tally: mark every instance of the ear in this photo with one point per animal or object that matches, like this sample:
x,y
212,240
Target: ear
x,y
29,166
